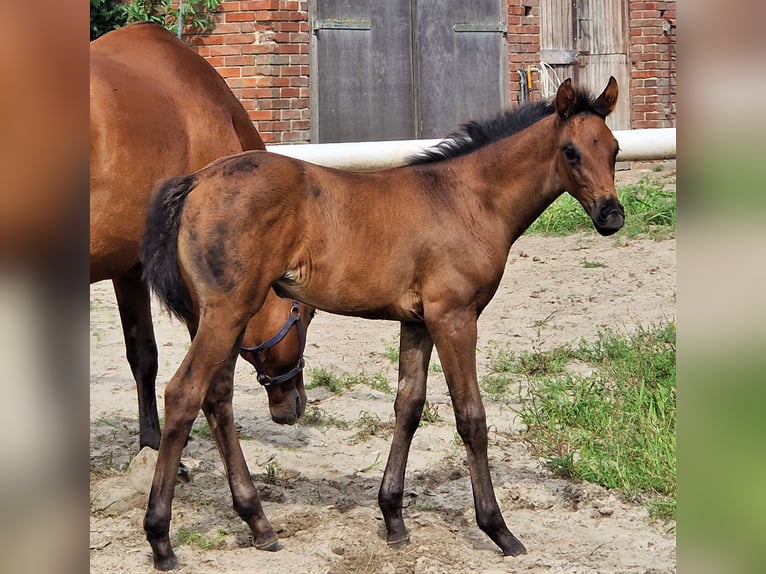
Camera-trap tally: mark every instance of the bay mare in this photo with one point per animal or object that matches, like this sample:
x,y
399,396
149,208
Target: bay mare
x,y
425,245
158,110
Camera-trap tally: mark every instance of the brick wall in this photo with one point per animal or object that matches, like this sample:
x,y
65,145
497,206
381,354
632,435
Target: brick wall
x,y
261,48
653,64
523,46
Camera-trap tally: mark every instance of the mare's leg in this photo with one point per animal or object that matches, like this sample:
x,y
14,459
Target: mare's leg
x,y
134,303
415,352
213,350
455,339
218,410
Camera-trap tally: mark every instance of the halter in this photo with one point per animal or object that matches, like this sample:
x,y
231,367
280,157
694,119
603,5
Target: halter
x,y
293,319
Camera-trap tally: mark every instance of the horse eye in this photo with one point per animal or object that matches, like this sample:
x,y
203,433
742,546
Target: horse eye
x,y
570,153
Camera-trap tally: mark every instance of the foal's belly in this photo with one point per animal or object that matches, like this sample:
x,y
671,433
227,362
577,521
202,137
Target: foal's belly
x,y
369,301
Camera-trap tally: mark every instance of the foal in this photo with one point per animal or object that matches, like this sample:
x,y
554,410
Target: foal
x,y
425,245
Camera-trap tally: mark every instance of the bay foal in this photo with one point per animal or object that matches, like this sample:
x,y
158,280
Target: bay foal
x,y
425,245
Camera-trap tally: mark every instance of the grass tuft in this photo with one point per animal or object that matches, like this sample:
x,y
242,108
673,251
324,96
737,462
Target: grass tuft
x,y
193,538
339,383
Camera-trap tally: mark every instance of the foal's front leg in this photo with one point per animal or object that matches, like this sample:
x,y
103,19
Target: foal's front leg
x,y
414,355
455,339
218,410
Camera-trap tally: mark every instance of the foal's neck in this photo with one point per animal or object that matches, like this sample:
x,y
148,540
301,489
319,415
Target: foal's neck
x,y
519,175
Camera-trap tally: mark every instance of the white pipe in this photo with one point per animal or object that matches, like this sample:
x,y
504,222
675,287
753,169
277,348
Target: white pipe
x,y
635,145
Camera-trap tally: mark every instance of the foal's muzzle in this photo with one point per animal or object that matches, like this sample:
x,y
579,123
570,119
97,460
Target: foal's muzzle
x,y
609,217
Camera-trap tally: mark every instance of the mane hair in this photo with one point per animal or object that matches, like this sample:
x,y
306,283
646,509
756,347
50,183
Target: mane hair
x,y
474,135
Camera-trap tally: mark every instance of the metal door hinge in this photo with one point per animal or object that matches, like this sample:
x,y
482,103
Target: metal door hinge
x,y
495,27
342,24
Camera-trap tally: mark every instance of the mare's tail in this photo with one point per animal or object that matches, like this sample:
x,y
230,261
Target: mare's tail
x,y
159,247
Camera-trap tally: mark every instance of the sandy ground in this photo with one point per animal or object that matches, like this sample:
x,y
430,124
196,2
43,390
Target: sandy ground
x,y
319,483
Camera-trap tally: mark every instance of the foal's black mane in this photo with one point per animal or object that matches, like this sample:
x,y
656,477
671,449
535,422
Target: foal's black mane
x,y
477,134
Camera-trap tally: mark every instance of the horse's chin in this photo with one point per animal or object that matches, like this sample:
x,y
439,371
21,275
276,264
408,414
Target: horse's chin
x,y
288,410
284,419
608,230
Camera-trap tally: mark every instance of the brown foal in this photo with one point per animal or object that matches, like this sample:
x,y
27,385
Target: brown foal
x,y
425,245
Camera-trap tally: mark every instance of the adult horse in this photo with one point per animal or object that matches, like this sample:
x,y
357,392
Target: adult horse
x,y
158,109
425,245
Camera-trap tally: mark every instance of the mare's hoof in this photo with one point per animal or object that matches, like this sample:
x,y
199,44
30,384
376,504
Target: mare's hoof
x,y
167,563
515,549
184,474
270,546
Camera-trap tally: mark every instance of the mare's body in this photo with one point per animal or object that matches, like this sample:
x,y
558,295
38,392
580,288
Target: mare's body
x,y
159,110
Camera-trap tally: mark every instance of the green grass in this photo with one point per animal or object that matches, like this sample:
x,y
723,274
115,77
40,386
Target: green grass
x,y
592,264
316,417
193,538
650,211
369,424
201,429
614,427
430,414
339,383
505,364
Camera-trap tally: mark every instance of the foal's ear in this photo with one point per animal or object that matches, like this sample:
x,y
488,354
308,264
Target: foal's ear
x,y
565,99
606,102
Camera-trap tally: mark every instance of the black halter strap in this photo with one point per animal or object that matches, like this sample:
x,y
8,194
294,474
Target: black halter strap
x,y
293,319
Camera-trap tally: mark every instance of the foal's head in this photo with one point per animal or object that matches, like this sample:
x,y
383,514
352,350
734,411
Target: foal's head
x,y
587,152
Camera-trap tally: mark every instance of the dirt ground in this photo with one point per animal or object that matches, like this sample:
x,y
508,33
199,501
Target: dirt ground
x,y
319,483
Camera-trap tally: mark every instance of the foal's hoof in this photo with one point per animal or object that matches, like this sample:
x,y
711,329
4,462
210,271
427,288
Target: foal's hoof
x,y
167,563
270,546
516,548
399,540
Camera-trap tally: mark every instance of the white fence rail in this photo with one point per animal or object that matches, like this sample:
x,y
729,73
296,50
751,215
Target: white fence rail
x,y
635,145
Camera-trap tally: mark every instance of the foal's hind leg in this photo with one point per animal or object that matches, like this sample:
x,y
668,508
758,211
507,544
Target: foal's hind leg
x,y
134,303
212,351
220,416
415,353
455,339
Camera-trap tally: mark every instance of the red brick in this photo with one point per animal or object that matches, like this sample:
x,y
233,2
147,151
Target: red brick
x,y
239,60
259,5
234,72
239,17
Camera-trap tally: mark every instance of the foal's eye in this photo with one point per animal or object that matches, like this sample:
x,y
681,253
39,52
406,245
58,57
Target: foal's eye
x,y
570,153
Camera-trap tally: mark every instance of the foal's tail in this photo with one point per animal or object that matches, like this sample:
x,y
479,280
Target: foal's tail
x,y
159,247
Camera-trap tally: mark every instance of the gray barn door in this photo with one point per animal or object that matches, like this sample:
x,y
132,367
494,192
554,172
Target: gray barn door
x,y
362,73
603,44
461,69
404,69
588,41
